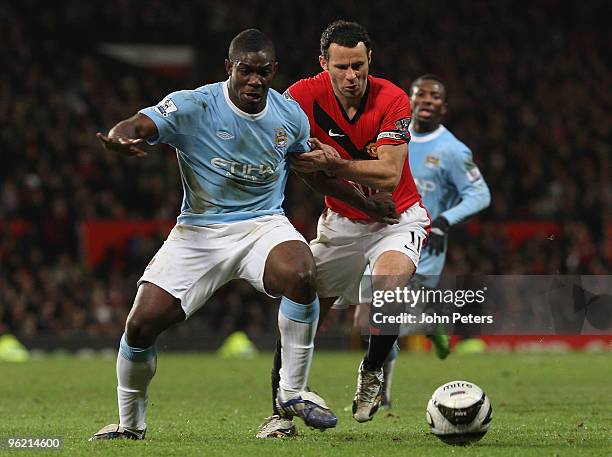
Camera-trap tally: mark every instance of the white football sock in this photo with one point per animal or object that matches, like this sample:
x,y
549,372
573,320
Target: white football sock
x,y
297,324
135,369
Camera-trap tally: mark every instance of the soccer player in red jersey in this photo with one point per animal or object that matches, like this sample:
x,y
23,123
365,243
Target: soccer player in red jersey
x,y
360,129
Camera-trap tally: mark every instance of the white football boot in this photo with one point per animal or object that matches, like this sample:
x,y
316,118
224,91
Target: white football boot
x,y
117,432
276,427
368,395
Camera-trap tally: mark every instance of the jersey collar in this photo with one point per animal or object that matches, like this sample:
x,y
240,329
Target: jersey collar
x,y
238,111
425,137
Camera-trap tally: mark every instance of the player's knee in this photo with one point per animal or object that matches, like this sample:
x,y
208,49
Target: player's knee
x,y
139,333
300,279
306,277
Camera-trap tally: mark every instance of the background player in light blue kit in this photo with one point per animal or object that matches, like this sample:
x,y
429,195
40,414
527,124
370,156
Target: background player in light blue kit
x,y
446,176
231,141
449,182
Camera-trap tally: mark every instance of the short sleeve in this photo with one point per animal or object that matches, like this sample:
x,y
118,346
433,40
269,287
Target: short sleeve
x,y
301,143
395,122
296,92
172,116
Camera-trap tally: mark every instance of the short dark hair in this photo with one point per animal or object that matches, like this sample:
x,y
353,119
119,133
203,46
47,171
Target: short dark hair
x,y
344,33
251,40
429,77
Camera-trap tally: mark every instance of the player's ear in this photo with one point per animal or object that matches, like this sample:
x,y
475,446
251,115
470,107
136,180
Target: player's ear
x,y
229,65
444,109
323,63
369,57
412,94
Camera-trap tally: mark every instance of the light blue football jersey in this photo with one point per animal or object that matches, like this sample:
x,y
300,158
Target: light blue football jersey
x,y
449,182
233,164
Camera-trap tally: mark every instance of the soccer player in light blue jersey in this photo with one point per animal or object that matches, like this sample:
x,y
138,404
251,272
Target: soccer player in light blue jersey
x,y
232,139
444,171
450,185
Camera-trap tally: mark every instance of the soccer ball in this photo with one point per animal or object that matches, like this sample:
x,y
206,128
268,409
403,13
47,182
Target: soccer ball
x,y
459,412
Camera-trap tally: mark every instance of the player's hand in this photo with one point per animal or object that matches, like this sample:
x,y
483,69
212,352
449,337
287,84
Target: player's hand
x,y
381,208
436,240
125,146
322,158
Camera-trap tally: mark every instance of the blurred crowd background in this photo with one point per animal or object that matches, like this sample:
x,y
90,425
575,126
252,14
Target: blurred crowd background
x,y
528,88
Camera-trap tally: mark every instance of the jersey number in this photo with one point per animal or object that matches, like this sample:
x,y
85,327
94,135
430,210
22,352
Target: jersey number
x,y
416,241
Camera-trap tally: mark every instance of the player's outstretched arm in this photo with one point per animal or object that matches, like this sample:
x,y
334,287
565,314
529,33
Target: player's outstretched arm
x,y
383,174
380,206
128,134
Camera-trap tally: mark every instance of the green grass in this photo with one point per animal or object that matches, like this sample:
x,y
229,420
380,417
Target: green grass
x,y
544,405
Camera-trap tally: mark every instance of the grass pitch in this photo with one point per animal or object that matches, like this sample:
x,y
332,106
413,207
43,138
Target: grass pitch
x,y
543,405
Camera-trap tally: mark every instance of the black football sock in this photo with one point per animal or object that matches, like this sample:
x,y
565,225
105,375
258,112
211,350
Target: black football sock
x,y
276,376
378,350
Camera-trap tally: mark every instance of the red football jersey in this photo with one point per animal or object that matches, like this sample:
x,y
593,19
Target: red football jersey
x,y
382,118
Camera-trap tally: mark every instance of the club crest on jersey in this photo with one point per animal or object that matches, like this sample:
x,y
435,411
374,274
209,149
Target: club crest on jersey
x,y
372,150
280,137
166,107
432,161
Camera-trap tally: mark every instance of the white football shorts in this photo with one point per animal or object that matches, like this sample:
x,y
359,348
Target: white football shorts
x,y
195,261
343,248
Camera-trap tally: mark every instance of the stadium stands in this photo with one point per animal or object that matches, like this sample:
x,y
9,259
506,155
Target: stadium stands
x,y
532,100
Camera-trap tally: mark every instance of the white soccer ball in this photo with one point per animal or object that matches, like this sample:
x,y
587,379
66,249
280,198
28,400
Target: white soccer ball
x,y
459,412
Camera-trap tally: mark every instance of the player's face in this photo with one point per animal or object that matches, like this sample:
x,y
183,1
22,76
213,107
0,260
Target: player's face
x,y
250,78
428,103
348,69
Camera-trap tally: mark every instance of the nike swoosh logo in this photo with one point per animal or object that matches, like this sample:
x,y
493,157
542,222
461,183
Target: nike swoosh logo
x,y
330,133
326,122
410,249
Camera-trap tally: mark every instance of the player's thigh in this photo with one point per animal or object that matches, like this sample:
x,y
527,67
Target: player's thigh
x,y
278,258
394,263
290,270
396,249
